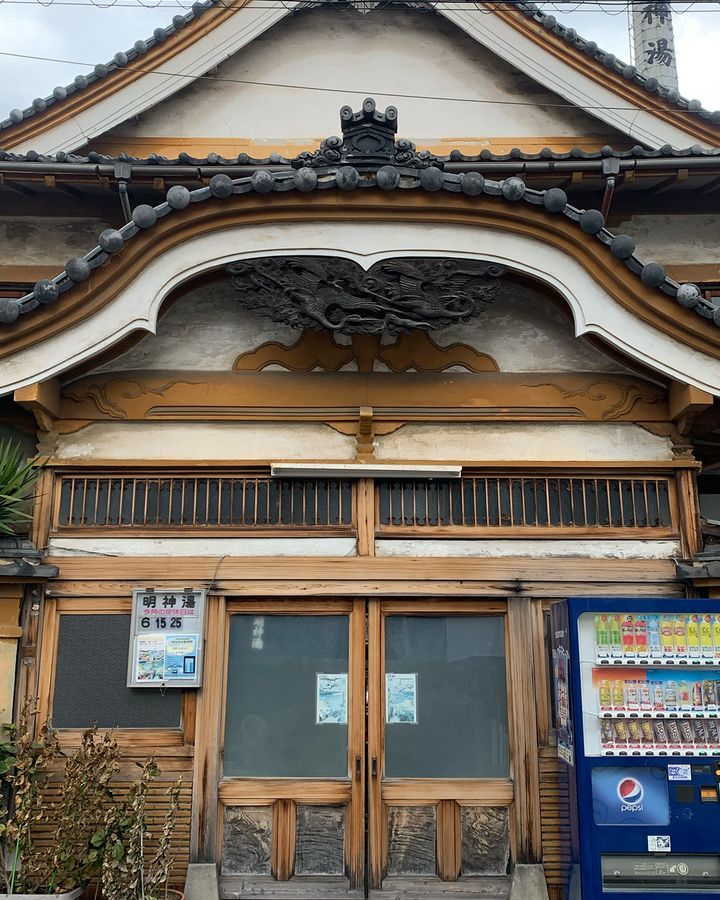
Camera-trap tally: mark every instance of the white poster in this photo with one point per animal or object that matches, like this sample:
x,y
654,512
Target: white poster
x,y
401,698
331,706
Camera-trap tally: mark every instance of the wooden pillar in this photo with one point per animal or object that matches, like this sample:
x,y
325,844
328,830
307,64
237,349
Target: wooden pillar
x,y
523,730
365,506
688,512
207,767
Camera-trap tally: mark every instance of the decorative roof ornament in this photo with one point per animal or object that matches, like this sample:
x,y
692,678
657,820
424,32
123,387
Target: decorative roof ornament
x,y
393,297
368,142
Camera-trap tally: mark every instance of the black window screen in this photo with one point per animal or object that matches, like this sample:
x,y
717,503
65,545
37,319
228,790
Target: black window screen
x,y
90,679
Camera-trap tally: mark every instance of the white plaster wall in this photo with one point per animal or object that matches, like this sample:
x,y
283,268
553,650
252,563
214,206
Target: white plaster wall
x,y
208,329
534,441
674,239
383,54
32,240
199,546
535,549
204,441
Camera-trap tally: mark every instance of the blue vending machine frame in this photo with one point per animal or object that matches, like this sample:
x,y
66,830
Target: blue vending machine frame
x,y
657,816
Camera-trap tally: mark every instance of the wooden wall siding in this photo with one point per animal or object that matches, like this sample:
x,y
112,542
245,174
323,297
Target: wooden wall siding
x,y
621,505
156,807
112,503
555,818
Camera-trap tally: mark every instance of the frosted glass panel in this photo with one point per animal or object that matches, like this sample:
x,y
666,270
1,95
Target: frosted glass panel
x,y
450,721
271,720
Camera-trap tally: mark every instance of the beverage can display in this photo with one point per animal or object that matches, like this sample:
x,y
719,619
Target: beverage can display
x,y
645,696
634,733
646,730
713,736
686,729
706,636
667,635
697,695
683,695
673,731
615,634
658,695
654,644
700,734
621,734
661,737
709,695
602,636
627,629
605,695
640,634
716,634
680,631
618,694
692,630
606,734
671,699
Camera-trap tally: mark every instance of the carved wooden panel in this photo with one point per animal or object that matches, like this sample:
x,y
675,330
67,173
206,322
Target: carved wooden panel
x,y
485,840
411,840
247,840
320,840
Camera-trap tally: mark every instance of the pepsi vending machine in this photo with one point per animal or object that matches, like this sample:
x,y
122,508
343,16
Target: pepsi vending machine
x,y
637,707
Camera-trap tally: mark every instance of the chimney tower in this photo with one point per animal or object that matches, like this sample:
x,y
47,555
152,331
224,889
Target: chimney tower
x,y
653,42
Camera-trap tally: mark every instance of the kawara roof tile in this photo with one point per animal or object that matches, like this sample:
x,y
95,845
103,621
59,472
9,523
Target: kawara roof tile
x,y
579,44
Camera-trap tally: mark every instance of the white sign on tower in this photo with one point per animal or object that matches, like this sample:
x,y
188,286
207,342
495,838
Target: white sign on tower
x,y
654,44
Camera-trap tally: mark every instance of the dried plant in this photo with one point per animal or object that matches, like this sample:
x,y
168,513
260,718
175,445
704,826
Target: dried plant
x,y
28,761
124,875
77,843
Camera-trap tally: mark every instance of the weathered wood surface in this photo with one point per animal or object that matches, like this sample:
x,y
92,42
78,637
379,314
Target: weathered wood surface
x,y
247,840
485,840
298,888
411,840
410,888
320,840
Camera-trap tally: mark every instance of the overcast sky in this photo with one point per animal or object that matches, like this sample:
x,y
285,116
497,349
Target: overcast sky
x,y
78,30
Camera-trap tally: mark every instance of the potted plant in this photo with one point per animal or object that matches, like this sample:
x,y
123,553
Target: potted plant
x,y
88,833
17,478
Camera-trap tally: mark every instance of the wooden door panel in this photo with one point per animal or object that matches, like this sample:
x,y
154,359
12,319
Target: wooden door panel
x,y
296,837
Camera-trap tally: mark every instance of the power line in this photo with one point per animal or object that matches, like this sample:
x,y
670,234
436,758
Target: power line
x,y
365,92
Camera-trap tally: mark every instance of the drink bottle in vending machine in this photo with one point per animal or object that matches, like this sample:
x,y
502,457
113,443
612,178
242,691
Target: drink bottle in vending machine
x,y
643,680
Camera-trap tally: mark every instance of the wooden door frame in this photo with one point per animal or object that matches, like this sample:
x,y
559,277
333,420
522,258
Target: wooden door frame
x,y
448,794
282,793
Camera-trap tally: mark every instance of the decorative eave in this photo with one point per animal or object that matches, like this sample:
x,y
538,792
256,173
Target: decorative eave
x,y
404,168
146,56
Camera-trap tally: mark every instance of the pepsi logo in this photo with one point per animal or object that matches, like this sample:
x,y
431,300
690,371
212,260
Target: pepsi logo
x,y
630,791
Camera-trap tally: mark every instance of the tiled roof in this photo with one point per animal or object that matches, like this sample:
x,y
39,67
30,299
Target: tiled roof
x,y
531,10
421,174
276,159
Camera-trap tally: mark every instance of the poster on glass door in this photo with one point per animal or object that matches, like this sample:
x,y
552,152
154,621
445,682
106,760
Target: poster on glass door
x,y
401,698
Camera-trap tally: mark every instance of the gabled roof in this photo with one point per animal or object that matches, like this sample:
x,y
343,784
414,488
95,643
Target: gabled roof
x,y
588,61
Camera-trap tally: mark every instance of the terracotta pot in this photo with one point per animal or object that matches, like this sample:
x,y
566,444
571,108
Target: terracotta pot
x,y
174,895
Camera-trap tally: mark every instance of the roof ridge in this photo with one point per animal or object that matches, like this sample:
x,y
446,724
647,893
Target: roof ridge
x,y
529,9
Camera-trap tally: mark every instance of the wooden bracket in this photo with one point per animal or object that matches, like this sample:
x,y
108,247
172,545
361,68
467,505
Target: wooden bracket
x,y
42,400
684,404
365,435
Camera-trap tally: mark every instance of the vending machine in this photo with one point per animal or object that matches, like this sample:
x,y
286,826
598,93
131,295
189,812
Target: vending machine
x,y
637,709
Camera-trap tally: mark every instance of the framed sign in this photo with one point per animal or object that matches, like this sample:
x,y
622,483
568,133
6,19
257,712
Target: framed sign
x,y
166,638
